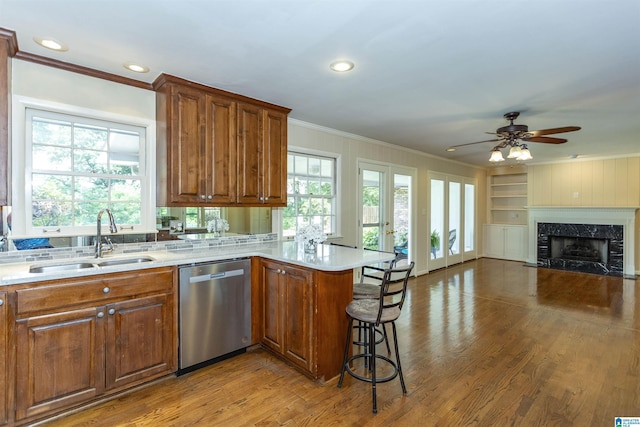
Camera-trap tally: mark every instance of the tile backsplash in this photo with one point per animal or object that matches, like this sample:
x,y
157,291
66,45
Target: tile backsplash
x,y
35,255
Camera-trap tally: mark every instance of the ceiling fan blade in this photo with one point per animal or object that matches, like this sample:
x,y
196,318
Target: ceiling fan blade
x,y
473,143
545,139
554,130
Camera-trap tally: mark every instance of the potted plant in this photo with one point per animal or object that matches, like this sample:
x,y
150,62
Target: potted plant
x,y
435,242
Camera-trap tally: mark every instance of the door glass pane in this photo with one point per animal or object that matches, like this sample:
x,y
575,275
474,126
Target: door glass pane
x,y
469,217
453,240
401,210
372,209
437,218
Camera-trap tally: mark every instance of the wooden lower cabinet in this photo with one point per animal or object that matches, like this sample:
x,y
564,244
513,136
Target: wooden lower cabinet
x,y
288,312
60,360
301,315
119,331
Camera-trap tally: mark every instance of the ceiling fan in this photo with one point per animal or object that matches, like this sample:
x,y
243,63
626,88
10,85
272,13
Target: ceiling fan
x,y
515,136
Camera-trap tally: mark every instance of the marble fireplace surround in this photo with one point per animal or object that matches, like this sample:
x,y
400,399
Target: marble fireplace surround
x,y
625,216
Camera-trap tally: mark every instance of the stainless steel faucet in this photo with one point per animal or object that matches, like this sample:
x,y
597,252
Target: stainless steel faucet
x,y
112,228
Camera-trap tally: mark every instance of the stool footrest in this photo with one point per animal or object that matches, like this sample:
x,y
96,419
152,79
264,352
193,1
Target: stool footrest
x,y
367,379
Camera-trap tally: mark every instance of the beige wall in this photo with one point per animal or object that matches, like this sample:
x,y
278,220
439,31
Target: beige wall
x,y
610,182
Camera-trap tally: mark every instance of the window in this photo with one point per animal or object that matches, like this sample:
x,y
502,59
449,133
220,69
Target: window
x,y
311,193
76,166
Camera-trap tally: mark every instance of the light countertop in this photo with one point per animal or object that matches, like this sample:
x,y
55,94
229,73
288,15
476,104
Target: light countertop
x,y
326,258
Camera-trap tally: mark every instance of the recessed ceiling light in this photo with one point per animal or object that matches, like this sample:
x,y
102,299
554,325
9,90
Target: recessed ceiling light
x,y
50,43
450,149
574,156
137,68
342,66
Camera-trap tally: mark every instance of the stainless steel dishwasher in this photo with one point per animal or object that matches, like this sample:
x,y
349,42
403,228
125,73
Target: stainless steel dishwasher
x,y
215,312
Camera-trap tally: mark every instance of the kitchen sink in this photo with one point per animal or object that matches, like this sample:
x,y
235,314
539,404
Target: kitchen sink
x,y
123,261
52,268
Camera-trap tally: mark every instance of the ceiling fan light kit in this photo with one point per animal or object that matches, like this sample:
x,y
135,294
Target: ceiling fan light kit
x,y
513,136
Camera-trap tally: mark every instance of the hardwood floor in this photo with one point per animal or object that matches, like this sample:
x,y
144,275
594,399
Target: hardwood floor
x,y
485,343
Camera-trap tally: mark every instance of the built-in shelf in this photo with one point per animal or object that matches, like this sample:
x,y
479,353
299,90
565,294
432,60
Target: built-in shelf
x,y
507,197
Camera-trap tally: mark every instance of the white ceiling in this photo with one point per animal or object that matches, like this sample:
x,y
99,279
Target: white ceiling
x,y
428,74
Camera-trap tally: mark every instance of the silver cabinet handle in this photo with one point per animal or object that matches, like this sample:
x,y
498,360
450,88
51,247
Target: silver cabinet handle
x,y
202,196
106,290
112,311
209,197
1,301
100,314
282,272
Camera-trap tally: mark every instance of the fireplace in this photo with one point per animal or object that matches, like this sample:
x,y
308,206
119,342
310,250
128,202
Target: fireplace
x,y
579,248
587,248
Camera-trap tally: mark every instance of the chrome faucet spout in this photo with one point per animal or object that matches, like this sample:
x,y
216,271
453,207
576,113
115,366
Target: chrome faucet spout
x,y
112,228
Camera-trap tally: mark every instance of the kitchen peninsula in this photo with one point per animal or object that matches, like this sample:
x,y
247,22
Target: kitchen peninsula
x,y
297,305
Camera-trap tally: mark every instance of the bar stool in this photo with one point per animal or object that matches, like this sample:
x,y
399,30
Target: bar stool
x,y
368,287
374,313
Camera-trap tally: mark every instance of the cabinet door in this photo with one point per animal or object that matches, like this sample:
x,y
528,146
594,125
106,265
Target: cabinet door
x,y
515,243
60,360
186,154
274,158
140,343
249,160
272,309
220,158
4,318
494,241
299,303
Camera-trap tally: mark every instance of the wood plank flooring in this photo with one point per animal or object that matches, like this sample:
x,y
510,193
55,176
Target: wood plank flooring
x,y
484,343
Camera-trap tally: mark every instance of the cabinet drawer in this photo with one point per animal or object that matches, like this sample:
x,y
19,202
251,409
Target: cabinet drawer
x,y
51,295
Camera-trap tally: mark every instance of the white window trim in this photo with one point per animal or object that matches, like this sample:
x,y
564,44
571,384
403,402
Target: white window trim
x,y
20,176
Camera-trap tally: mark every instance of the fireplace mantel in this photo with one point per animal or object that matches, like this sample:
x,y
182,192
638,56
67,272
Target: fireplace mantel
x,y
625,216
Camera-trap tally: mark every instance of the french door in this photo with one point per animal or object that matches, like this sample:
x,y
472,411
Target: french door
x,y
452,221
385,204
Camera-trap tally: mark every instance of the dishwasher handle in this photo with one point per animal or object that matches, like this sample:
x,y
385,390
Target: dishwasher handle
x,y
216,276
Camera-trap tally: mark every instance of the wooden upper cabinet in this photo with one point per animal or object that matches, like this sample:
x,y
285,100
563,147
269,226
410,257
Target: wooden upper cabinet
x,y
8,49
218,148
186,154
274,159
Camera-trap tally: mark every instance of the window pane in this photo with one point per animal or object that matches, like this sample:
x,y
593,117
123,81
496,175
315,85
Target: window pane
x,y
86,213
126,189
51,158
126,213
90,137
51,213
124,149
326,168
50,132
314,187
300,165
90,161
314,166
90,188
51,187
